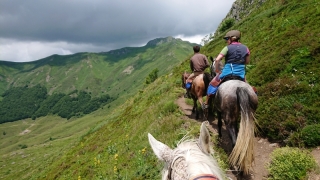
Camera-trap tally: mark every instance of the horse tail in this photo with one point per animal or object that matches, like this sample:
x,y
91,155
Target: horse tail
x,y
242,154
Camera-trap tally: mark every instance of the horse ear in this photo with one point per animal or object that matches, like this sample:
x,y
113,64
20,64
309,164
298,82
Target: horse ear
x,y
204,139
162,151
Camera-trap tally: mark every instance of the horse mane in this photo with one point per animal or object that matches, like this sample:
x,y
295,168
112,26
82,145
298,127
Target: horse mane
x,y
206,79
195,160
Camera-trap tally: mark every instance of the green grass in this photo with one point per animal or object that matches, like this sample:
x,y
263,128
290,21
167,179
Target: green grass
x,y
283,39
290,163
109,144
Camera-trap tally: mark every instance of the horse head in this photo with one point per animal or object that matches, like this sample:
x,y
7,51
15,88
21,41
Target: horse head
x,y
184,77
213,67
192,159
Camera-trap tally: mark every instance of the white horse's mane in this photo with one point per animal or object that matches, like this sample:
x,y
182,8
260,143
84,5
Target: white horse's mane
x,y
196,162
190,159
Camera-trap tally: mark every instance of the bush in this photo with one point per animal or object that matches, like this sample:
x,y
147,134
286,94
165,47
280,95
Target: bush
x,y
152,76
290,163
169,108
23,146
310,135
226,25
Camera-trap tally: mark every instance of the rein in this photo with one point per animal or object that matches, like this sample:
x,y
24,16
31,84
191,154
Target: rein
x,y
205,177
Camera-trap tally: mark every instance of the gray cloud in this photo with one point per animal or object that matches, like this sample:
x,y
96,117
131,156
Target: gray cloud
x,y
102,24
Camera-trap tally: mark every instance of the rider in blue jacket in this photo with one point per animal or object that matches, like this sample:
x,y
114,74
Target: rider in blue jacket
x,y
236,57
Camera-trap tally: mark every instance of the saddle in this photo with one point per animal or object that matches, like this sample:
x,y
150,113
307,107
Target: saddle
x,y
231,77
216,81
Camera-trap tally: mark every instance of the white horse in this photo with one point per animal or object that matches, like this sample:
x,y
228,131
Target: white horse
x,y
191,160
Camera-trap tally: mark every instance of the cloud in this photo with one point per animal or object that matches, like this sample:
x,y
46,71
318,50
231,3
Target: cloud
x,y
36,28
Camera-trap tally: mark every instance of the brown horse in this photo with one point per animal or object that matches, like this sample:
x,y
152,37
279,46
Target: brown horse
x,y
198,89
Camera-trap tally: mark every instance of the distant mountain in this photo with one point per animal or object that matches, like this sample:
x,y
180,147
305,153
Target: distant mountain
x,y
115,72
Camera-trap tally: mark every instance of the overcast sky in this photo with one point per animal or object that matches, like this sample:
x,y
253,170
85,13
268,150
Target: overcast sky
x,y
34,29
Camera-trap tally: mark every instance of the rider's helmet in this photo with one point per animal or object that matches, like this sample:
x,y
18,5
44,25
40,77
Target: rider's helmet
x,y
234,34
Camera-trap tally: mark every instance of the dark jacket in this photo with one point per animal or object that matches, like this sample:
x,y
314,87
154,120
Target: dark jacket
x,y
198,62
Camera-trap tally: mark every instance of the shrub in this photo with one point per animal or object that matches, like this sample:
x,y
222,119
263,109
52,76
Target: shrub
x,y
226,25
310,135
169,108
23,146
290,163
152,76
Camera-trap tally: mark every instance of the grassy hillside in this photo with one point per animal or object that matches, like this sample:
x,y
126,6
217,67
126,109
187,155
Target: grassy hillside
x,y
116,147
116,74
284,40
284,43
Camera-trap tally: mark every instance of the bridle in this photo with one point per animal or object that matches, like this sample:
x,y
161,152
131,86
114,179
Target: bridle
x,y
205,177
198,177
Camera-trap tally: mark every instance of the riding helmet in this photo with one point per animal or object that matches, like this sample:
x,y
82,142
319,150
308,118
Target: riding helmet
x,y
233,33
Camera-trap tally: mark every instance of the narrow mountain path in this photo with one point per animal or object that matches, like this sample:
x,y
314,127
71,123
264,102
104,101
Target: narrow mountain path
x,y
262,147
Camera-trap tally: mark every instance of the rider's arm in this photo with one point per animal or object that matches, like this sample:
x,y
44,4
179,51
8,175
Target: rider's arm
x,y
247,58
217,62
191,65
219,58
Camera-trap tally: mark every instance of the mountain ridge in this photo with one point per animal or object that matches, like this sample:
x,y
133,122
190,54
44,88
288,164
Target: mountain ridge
x,y
95,65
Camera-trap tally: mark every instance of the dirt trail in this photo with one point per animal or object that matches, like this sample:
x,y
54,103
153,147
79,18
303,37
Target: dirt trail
x,y
262,147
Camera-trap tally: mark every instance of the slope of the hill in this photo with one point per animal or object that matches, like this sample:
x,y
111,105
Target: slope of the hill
x,y
81,81
283,38
115,148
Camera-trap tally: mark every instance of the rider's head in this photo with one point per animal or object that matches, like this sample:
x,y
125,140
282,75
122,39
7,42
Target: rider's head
x,y
196,49
233,35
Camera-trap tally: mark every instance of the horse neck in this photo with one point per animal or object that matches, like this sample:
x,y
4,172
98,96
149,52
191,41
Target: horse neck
x,y
185,77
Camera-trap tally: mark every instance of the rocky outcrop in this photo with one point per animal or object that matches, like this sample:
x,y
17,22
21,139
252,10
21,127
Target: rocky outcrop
x,y
240,9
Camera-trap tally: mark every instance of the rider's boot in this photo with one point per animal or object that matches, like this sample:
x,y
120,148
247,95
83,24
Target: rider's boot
x,y
187,94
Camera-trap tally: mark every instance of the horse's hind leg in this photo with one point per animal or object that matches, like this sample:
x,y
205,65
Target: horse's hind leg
x,y
219,124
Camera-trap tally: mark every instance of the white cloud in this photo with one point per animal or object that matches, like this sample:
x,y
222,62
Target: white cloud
x,y
25,51
193,39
